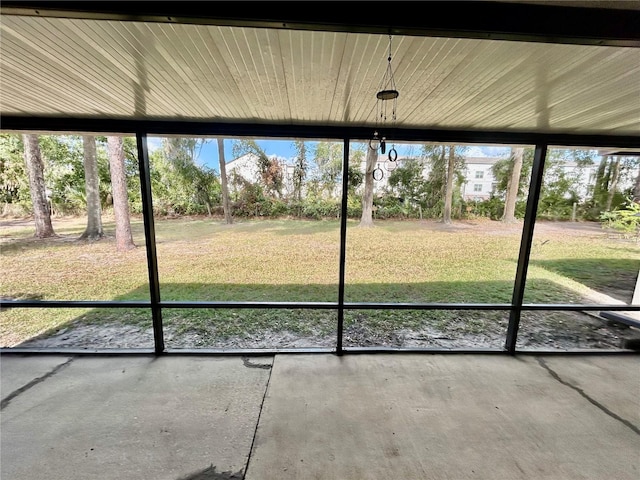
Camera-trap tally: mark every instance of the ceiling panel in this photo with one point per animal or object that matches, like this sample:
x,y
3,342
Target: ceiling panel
x,y
111,69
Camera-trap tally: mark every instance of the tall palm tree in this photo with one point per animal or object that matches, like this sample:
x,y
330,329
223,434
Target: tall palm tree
x,y
92,188
124,238
35,170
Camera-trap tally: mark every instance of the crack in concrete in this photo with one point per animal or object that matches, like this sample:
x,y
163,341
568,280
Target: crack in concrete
x,y
247,363
210,473
255,432
594,402
5,401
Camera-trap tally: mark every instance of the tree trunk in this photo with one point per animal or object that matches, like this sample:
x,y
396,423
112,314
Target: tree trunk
x,y
35,170
600,185
92,190
448,194
636,189
509,215
226,204
613,182
124,238
367,197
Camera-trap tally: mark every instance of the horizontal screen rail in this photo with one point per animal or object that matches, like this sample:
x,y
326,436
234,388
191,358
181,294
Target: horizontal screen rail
x,y
7,304
576,307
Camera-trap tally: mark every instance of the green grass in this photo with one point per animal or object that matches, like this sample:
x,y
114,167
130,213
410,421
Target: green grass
x,y
298,260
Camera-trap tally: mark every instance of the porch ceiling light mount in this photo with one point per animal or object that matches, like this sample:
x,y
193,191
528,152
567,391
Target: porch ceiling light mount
x,y
387,94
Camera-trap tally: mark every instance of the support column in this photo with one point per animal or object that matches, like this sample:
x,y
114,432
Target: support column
x,y
537,173
343,243
150,241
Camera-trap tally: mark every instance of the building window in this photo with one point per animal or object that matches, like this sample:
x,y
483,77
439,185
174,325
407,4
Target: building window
x,y
477,187
479,174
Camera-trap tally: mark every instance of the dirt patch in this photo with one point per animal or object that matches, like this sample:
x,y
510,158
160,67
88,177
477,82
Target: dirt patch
x,y
16,222
483,225
539,330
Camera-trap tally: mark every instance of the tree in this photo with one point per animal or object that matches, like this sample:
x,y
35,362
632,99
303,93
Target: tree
x,y
131,172
446,218
226,204
328,157
354,171
299,169
35,170
559,189
611,171
14,185
269,169
407,181
124,238
502,171
636,189
601,186
180,186
613,182
366,220
64,175
93,231
434,158
513,186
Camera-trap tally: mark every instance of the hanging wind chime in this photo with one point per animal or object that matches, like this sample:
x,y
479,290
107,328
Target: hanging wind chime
x,y
386,107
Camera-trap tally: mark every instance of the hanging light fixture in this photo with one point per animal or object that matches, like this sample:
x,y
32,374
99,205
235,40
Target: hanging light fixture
x,y
386,110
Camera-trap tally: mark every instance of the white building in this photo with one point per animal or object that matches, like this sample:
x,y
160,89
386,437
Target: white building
x,y
246,166
480,183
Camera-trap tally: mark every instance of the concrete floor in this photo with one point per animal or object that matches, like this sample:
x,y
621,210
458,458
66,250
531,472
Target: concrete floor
x,y
319,416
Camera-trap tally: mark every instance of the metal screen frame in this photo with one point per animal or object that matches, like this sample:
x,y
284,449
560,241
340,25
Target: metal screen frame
x,y
142,129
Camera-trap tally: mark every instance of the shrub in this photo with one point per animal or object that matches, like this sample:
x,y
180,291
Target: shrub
x,y
354,206
491,208
624,219
318,208
274,207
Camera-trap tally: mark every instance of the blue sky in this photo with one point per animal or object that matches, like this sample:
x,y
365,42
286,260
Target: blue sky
x,y
208,155
285,149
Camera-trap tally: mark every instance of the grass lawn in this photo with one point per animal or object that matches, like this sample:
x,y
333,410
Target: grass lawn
x,y
297,260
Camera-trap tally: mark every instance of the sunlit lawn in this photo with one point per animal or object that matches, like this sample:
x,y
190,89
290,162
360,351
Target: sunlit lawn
x,y
295,260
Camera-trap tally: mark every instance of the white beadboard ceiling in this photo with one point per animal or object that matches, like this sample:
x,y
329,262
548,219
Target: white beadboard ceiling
x,y
108,69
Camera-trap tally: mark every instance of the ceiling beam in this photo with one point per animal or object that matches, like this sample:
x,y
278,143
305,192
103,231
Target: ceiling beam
x,y
495,20
209,129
